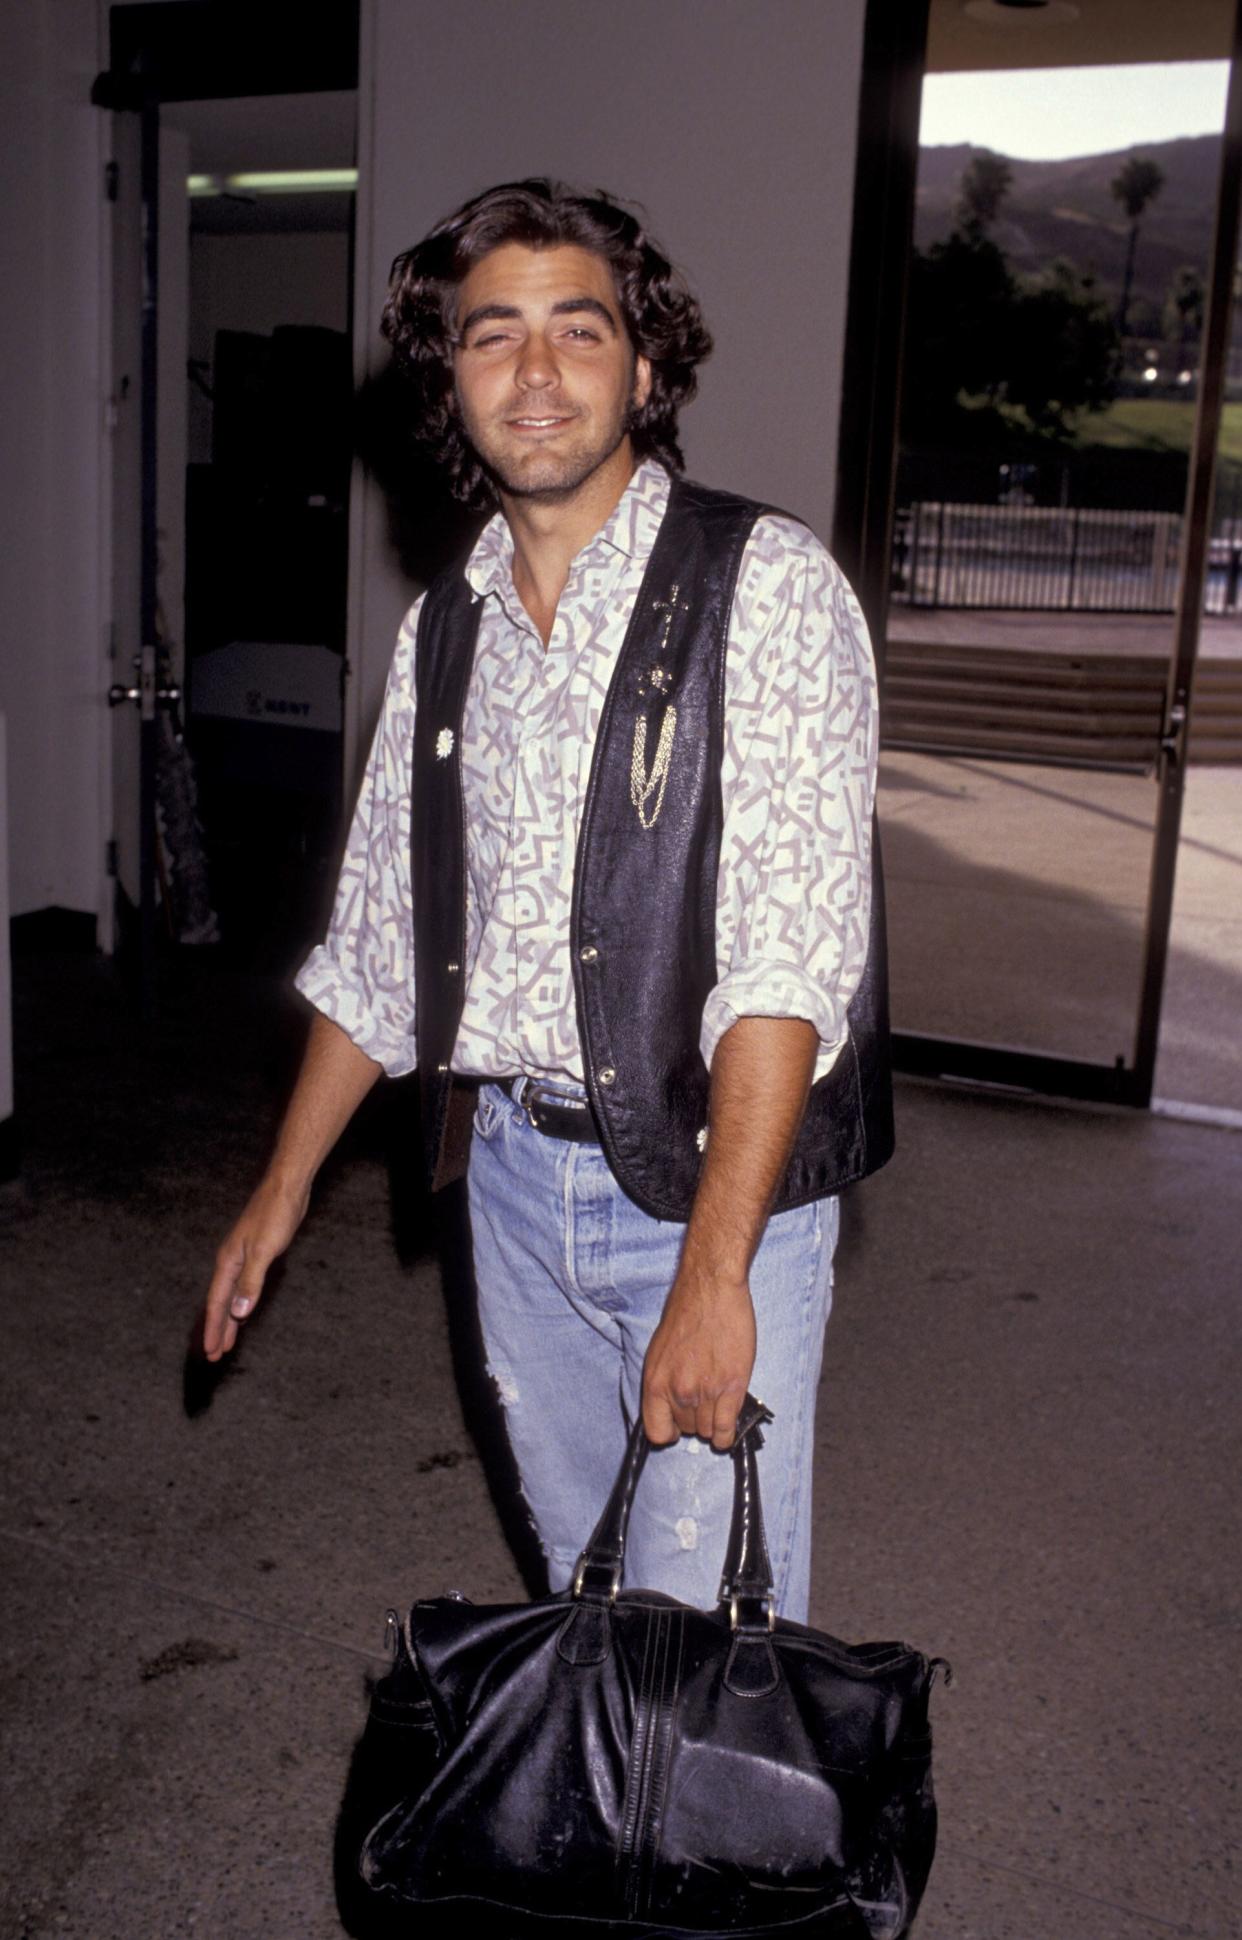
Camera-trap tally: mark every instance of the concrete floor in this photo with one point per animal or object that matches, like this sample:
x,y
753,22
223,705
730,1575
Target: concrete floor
x,y
1017,902
1028,1460
1200,1058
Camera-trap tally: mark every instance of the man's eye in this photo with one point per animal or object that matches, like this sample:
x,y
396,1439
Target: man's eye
x,y
580,330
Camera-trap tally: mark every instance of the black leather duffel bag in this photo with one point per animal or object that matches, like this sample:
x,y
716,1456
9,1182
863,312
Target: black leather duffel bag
x,y
611,1762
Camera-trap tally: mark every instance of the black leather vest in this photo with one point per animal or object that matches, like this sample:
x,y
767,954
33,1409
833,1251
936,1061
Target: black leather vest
x,y
643,929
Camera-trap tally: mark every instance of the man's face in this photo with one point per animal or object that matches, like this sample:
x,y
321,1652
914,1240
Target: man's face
x,y
544,371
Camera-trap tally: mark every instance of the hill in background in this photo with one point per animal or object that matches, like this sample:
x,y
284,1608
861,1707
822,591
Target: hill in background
x,y
1065,208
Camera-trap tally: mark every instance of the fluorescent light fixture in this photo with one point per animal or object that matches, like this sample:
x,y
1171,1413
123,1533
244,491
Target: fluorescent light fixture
x,y
1020,13
284,181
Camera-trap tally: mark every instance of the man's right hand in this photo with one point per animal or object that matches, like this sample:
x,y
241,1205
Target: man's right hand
x,y
334,1079
261,1234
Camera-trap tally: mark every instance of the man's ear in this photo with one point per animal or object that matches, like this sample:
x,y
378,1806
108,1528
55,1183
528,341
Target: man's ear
x,y
642,381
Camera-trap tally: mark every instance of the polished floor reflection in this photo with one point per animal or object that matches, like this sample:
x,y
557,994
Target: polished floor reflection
x,y
1016,898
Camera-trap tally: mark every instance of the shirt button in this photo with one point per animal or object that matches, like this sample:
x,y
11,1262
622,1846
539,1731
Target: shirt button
x,y
589,954
607,1076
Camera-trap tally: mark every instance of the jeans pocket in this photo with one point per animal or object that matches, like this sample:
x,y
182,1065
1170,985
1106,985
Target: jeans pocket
x,y
489,1111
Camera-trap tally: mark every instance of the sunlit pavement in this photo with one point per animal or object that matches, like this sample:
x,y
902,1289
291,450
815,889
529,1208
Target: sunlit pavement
x,y
1017,899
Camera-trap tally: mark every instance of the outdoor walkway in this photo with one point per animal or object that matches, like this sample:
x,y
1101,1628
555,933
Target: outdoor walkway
x,y
1220,636
1017,902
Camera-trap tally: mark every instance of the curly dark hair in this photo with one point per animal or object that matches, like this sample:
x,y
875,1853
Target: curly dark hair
x,y
663,320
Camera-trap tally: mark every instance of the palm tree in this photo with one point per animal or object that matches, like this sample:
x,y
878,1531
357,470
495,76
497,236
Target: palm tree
x,y
984,185
1134,186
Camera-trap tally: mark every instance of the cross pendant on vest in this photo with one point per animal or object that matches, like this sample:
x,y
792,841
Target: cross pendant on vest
x,y
643,785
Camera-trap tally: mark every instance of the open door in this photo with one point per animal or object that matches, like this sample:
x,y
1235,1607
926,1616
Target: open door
x,y
161,55
138,689
1033,761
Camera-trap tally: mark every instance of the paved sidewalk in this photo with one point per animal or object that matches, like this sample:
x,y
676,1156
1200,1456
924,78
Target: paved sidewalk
x,y
1017,902
1149,634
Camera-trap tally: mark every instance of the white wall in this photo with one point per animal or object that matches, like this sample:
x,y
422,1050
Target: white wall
x,y
52,644
733,121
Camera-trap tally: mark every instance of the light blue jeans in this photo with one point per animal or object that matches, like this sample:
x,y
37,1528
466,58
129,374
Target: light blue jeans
x,y
572,1279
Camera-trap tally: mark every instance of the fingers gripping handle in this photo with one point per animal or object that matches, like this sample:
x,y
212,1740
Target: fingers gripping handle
x,y
746,1585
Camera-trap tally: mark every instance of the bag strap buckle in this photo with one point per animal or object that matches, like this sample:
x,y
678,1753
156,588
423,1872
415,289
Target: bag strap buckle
x,y
766,1603
585,1563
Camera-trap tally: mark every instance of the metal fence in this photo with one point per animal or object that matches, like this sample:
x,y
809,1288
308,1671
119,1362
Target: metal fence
x,y
1054,558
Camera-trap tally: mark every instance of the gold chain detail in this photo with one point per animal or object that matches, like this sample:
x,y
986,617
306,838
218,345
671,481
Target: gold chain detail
x,y
643,785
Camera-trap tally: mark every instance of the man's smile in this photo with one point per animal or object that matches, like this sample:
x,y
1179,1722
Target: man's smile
x,y
530,422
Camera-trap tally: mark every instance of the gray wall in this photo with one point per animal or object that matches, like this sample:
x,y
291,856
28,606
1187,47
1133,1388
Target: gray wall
x,y
732,121
53,596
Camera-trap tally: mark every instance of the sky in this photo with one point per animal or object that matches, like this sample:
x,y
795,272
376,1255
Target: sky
x,y
1045,114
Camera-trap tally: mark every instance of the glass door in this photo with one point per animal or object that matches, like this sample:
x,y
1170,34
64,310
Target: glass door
x,y
1037,570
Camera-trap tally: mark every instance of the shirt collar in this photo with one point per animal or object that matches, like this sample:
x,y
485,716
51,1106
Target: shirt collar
x,y
630,529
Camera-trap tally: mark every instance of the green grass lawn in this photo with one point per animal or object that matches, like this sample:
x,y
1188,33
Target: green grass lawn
x,y
1158,424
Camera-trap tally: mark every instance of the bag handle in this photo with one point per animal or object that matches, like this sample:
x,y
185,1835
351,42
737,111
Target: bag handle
x,y
746,1588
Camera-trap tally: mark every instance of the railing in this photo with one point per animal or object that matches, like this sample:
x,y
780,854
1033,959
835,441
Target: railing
x,y
1054,558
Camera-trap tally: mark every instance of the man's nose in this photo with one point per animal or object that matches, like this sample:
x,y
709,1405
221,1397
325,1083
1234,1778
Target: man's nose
x,y
537,367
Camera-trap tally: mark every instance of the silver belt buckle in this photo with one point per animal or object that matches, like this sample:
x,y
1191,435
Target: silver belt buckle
x,y
532,1096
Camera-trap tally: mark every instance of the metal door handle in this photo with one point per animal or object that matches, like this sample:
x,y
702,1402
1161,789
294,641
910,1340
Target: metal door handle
x,y
147,694
1172,741
165,696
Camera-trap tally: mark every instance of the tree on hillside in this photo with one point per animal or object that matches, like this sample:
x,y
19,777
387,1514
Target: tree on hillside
x,y
1184,306
1064,354
1135,185
985,183
961,296
988,357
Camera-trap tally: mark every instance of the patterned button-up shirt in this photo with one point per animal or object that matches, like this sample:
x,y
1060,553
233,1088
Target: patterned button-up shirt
x,y
797,778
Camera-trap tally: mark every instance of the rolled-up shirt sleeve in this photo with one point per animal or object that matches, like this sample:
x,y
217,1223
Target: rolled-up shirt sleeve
x,y
362,974
798,783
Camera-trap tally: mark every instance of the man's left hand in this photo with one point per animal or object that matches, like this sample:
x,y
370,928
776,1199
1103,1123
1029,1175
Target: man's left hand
x,y
699,1361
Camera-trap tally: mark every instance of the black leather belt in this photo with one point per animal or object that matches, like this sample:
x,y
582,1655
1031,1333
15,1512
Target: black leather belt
x,y
552,1113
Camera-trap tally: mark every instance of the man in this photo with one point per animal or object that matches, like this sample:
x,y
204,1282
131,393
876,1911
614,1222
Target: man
x,y
614,837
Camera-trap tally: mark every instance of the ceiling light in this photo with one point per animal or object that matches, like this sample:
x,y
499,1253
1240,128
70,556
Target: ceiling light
x,y
287,181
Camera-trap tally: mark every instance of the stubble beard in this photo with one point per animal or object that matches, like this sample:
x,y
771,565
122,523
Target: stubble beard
x,y
549,477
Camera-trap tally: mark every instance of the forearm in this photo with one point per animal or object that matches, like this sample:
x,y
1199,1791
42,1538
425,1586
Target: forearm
x,y
334,1078
702,1354
760,1079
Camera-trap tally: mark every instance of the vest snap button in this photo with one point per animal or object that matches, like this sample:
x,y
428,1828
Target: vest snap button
x,y
442,1068
589,954
607,1076
452,968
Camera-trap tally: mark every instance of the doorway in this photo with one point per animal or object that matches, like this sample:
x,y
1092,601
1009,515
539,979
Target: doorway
x,y
1035,562
268,395
232,190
